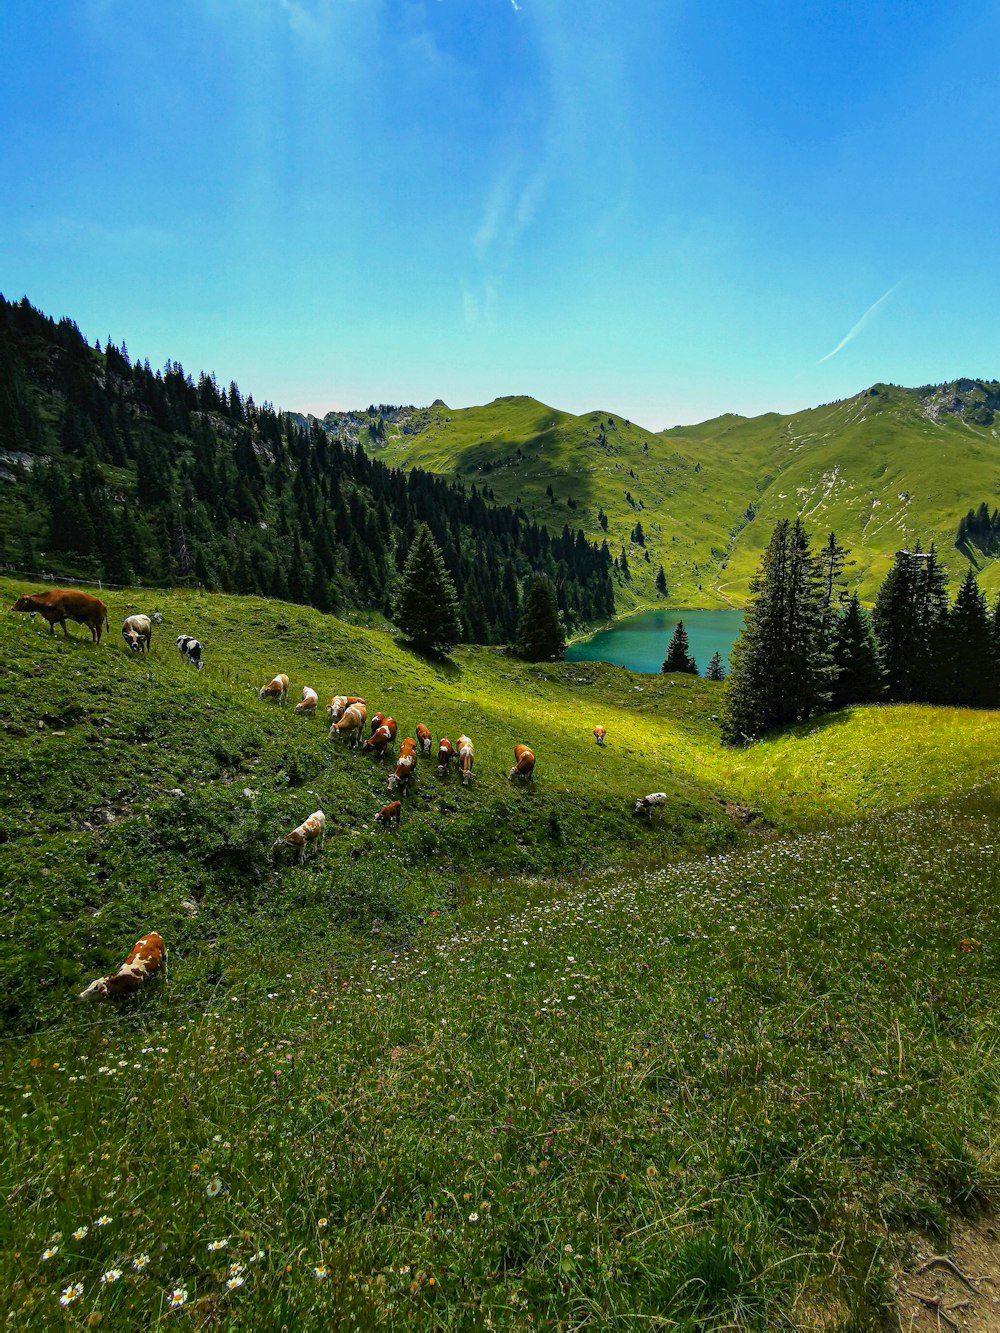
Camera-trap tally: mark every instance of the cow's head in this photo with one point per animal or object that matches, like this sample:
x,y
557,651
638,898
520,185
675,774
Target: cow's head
x,y
25,603
133,640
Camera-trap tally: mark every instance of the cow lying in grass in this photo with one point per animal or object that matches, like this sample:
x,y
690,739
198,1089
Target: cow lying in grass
x,y
314,828
146,959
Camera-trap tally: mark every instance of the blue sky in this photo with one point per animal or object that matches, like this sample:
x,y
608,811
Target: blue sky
x,y
669,210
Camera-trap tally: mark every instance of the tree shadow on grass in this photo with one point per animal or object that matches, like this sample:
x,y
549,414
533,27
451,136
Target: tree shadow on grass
x,y
440,664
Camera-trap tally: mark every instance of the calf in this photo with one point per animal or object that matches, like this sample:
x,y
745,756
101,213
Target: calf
x,y
146,958
647,805
424,739
524,763
405,765
275,690
350,728
309,701
466,755
389,814
314,828
62,604
190,650
137,631
339,704
445,752
599,734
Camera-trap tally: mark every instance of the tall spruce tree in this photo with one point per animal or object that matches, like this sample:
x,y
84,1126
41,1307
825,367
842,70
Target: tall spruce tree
x,y
972,661
855,656
678,656
661,582
910,619
427,607
540,636
715,670
780,668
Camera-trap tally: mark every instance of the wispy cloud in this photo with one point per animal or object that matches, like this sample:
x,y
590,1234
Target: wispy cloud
x,y
856,329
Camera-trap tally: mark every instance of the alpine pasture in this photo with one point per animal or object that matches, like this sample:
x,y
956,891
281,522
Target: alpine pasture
x,y
527,1060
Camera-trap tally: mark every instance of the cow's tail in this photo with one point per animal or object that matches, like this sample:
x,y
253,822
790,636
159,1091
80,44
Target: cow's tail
x,y
107,622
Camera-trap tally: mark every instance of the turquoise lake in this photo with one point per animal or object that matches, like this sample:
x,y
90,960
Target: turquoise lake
x,y
640,642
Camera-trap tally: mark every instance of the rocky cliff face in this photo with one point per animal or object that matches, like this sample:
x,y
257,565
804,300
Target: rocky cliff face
x,y
975,401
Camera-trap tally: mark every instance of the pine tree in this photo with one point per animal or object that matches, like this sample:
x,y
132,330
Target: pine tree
x,y
661,582
972,675
716,671
855,657
910,620
427,606
780,667
540,636
678,657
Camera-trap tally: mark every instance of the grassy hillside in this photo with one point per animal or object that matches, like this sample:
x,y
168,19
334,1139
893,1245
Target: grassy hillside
x,y
883,469
528,1057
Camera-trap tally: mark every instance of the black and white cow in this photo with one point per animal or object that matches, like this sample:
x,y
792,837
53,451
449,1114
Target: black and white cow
x,y
648,805
190,650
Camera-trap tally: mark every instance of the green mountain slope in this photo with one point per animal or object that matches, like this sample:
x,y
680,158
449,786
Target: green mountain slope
x,y
883,469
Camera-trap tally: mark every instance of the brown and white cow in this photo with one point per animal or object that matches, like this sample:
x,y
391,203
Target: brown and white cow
x,y
351,726
62,604
405,765
389,814
307,705
378,742
146,958
339,704
466,756
424,739
312,830
275,690
524,763
137,631
375,722
445,752
599,734
647,805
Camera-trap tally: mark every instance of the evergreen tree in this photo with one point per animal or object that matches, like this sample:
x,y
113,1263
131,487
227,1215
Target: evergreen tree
x,y
716,671
855,657
540,636
678,657
427,606
780,668
973,678
661,582
910,620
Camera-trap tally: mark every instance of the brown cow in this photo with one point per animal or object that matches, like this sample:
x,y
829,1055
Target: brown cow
x,y
389,814
62,604
466,757
146,957
424,739
599,734
405,765
445,752
378,742
524,762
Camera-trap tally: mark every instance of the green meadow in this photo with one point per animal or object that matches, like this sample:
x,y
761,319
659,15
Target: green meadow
x,y
529,1062
883,469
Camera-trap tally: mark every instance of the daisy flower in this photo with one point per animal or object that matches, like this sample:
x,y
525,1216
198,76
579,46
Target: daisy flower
x,y
112,1275
320,1272
214,1187
140,1262
51,1252
177,1298
103,1220
235,1282
71,1294
323,1223
80,1232
218,1244
473,1217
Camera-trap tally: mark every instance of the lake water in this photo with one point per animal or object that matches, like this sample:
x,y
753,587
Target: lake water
x,y
640,642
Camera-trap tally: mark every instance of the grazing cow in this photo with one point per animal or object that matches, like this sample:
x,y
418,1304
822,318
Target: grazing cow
x,y
275,690
190,650
137,632
599,734
405,765
309,701
314,828
351,727
339,704
62,604
445,752
524,763
408,746
157,617
389,814
424,739
378,742
376,722
647,805
146,958
466,755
